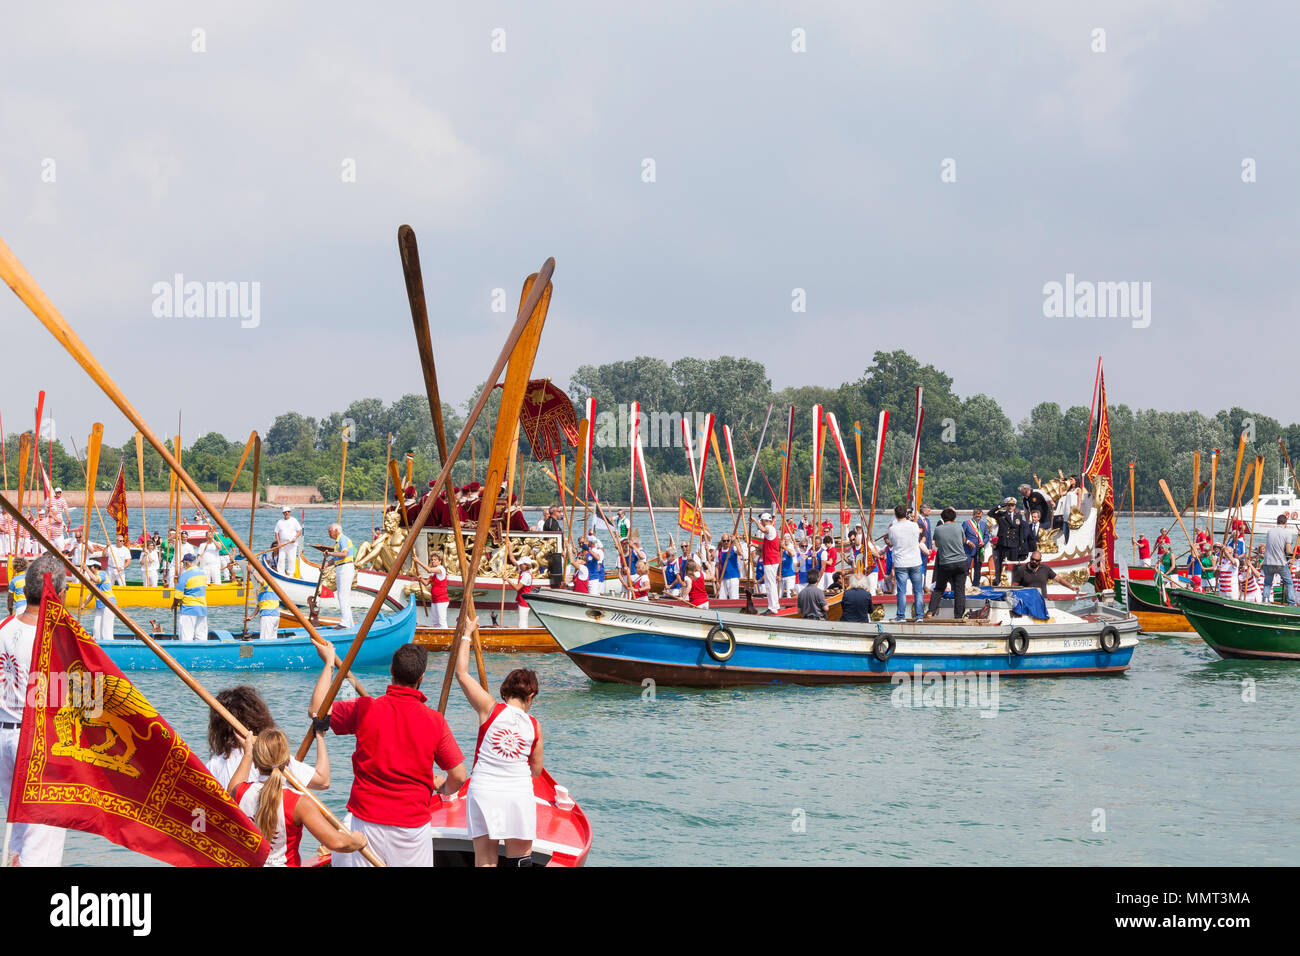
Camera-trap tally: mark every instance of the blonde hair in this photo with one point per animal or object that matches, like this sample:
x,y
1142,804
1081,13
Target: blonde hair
x,y
270,756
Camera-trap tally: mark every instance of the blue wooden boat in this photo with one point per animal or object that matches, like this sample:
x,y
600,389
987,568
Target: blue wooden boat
x,y
623,641
292,649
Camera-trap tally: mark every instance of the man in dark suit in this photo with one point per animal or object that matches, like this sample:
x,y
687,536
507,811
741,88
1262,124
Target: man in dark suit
x,y
1010,536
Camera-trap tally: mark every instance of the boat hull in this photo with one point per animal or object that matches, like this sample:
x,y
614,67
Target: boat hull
x,y
1143,600
226,594
292,650
563,834
1242,630
619,641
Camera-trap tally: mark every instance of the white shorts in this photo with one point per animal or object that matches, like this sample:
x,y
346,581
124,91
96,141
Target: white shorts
x,y
595,587
35,843
501,815
269,627
730,590
395,846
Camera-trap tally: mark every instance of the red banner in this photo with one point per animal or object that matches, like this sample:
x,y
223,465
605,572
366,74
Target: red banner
x,y
95,755
688,517
117,504
548,419
1100,465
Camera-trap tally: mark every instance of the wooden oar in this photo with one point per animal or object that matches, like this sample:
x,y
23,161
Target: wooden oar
x,y
252,514
1214,470
18,279
1196,483
409,250
442,481
177,669
1164,486
512,398
577,478
240,467
1236,476
1254,510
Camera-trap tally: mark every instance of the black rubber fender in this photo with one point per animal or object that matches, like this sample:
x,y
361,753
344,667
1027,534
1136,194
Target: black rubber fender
x,y
882,648
731,643
1109,639
1018,642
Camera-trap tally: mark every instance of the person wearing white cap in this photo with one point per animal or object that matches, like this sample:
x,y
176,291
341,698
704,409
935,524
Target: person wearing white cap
x,y
595,561
523,586
103,627
770,550
288,533
193,600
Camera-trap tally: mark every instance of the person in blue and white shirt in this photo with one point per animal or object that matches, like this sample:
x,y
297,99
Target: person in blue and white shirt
x,y
594,557
672,565
727,568
193,587
103,628
343,555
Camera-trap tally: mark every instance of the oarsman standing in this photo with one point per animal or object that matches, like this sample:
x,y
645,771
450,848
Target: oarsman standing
x,y
30,844
342,556
57,508
193,617
727,569
1277,559
121,558
1143,547
523,585
268,609
399,740
103,626
594,557
288,532
770,552
1163,544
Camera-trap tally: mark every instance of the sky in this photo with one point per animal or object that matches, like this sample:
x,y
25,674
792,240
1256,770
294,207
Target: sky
x,y
921,171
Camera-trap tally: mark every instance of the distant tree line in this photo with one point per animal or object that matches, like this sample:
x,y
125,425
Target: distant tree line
x,y
971,451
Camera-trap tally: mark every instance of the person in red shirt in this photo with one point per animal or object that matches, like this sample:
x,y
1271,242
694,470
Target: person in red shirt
x,y
1143,548
698,593
399,740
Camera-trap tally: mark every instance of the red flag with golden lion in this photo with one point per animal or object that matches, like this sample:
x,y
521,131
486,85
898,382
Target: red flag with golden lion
x,y
95,755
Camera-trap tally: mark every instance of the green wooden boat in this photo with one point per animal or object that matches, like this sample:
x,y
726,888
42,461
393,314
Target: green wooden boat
x,y
1242,630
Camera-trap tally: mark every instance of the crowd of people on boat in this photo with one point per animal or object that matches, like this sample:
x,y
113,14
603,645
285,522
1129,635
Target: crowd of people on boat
x,y
1235,568
400,743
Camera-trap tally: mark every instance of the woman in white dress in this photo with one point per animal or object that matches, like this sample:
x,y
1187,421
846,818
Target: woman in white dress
x,y
210,558
500,804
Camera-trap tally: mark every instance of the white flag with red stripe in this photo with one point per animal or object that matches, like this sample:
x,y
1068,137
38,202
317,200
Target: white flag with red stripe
x,y
844,455
731,457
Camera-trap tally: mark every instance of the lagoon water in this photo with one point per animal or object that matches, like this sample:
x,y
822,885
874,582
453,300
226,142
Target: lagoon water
x,y
1187,759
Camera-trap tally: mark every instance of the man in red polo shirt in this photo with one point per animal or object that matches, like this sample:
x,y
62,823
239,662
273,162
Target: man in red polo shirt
x,y
399,740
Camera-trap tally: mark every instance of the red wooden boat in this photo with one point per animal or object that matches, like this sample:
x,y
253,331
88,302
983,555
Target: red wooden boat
x,y
563,831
